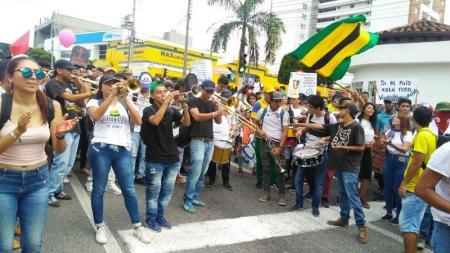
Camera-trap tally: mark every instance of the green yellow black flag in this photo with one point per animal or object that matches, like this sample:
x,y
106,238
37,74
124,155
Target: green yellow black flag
x,y
328,52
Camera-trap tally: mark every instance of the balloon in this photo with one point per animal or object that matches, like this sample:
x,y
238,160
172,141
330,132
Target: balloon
x,y
66,37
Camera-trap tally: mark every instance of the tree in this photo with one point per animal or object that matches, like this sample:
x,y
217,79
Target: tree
x,y
250,22
40,55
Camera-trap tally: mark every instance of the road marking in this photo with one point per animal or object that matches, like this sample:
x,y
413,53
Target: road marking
x,y
112,246
238,230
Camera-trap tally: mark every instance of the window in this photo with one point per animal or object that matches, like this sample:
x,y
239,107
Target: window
x,y
325,19
66,54
304,15
327,9
302,36
358,86
305,6
352,6
302,26
102,52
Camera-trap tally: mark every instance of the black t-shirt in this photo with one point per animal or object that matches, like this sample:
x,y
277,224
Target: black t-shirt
x,y
351,135
54,89
161,147
202,129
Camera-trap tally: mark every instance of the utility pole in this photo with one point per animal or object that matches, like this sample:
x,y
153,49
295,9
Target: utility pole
x,y
132,36
186,40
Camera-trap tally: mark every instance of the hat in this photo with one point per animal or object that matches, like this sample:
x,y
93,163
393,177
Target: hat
x,y
226,93
443,107
390,99
352,108
208,85
276,95
293,95
64,64
110,69
108,78
154,85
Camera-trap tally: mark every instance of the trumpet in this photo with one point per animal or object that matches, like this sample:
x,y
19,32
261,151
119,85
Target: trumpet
x,y
94,84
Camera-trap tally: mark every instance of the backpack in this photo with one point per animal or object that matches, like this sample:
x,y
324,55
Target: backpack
x,y
6,109
264,114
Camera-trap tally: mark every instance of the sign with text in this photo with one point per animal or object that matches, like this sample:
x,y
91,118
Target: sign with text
x,y
401,87
202,69
301,82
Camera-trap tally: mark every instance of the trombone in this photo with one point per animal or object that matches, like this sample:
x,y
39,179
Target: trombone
x,y
233,102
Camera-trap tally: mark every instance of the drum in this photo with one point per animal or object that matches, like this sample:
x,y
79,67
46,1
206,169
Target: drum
x,y
292,140
222,152
307,156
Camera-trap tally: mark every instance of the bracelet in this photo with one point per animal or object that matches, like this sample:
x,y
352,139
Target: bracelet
x,y
13,134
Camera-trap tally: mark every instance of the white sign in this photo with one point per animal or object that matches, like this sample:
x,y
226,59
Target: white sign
x,y
404,87
202,69
301,82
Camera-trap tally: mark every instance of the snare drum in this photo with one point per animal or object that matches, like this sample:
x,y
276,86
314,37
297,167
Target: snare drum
x,y
307,156
222,152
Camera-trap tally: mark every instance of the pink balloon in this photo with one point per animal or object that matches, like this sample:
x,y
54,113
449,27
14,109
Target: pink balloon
x,y
66,37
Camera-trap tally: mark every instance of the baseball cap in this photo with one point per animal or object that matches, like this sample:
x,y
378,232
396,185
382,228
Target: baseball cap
x,y
352,108
276,95
293,95
226,93
110,69
64,64
208,85
390,99
108,78
443,107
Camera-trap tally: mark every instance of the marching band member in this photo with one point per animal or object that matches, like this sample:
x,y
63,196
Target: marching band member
x,y
222,132
202,111
110,147
272,126
24,170
162,158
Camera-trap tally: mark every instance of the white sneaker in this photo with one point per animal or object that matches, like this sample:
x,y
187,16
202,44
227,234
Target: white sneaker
x,y
141,235
66,180
88,186
101,235
113,188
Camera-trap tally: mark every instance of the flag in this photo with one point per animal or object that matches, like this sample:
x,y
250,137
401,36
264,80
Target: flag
x,y
328,52
20,46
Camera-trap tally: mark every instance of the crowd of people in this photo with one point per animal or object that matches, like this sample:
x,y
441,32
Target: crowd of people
x,y
163,135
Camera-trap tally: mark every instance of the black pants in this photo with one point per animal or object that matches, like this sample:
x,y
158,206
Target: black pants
x,y
225,172
85,140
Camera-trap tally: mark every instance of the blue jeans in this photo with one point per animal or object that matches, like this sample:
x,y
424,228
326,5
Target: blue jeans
x,y
138,146
160,179
23,194
441,238
319,174
426,226
63,163
349,196
393,175
411,215
201,154
102,158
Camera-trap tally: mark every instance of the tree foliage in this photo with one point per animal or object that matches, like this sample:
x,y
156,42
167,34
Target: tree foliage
x,y
40,55
290,64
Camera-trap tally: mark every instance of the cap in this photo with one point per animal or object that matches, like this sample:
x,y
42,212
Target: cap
x,y
276,95
390,99
110,69
208,85
154,85
226,93
64,64
293,95
443,107
352,108
107,78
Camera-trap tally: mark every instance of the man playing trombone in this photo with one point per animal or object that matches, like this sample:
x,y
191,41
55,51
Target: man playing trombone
x,y
272,126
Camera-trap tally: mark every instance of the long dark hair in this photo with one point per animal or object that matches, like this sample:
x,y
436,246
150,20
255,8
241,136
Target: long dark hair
x,y
41,98
373,118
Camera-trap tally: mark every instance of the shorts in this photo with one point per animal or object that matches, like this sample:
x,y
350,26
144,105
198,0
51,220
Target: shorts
x,y
413,209
365,171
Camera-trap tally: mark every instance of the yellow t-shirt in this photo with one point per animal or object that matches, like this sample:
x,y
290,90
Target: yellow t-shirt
x,y
331,108
424,142
260,104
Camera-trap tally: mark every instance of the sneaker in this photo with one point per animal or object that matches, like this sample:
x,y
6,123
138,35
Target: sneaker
x,y
295,208
282,201
315,212
84,171
240,172
364,203
228,187
66,180
338,223
394,221
308,195
163,222
264,197
421,244
113,188
210,184
141,234
63,196
52,201
153,225
139,180
290,187
88,186
387,217
275,186
180,179
259,185
363,236
325,203
189,208
16,244
101,235
197,202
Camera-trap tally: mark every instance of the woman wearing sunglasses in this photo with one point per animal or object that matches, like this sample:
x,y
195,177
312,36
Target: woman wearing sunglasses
x,y
23,162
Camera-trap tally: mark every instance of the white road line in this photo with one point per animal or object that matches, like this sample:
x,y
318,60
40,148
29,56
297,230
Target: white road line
x,y
112,246
244,229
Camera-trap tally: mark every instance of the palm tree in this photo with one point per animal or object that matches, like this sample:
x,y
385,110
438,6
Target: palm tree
x,y
251,22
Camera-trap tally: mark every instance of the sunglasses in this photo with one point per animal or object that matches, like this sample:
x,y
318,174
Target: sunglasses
x,y
342,107
28,73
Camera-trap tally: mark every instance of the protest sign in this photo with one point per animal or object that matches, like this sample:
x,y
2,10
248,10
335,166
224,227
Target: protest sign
x,y
400,87
202,69
305,83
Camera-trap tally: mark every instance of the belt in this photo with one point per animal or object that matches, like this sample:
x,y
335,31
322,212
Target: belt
x,y
204,139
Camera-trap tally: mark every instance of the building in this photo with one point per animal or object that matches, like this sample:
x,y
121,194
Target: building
x,y
416,51
50,27
178,38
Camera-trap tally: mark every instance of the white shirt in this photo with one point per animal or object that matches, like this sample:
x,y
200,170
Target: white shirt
x,y
311,140
2,90
272,123
396,139
440,163
257,87
369,132
114,127
140,103
222,131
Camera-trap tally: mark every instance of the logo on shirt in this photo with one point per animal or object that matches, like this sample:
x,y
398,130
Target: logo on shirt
x,y
114,113
342,137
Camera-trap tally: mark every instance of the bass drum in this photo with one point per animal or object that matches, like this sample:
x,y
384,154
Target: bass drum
x,y
222,152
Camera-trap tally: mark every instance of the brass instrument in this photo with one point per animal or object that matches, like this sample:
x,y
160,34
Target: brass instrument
x,y
231,102
276,159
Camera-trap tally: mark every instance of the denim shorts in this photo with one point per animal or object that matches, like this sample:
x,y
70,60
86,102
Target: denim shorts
x,y
413,209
